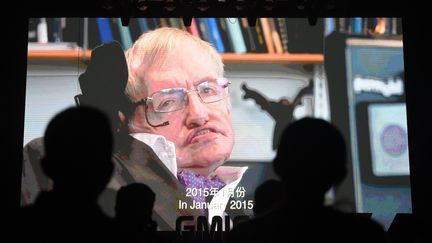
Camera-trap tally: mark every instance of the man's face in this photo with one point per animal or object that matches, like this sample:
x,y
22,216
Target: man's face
x,y
202,133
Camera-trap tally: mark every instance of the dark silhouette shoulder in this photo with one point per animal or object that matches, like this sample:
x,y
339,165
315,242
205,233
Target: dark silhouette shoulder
x,y
311,158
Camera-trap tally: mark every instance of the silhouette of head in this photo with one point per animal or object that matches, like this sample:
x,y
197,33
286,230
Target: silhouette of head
x,y
78,147
311,157
104,81
267,195
134,203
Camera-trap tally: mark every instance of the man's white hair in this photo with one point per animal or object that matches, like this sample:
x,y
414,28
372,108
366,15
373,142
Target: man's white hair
x,y
155,48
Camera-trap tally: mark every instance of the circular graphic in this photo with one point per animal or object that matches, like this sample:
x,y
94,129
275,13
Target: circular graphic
x,y
394,140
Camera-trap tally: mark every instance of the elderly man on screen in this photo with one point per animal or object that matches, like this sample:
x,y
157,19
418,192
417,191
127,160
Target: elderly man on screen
x,y
169,105
183,110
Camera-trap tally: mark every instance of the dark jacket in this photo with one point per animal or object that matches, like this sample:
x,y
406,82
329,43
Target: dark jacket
x,y
134,162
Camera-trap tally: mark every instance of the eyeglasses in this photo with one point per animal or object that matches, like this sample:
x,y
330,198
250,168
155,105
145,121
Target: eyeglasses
x,y
174,99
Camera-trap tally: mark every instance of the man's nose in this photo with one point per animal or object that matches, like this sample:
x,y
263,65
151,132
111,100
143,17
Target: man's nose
x,y
197,112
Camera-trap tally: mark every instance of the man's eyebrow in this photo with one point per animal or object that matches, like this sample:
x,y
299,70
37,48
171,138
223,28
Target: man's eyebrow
x,y
201,80
167,83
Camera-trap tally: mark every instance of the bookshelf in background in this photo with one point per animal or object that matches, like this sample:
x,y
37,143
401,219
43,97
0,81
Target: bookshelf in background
x,y
228,35
272,40
276,37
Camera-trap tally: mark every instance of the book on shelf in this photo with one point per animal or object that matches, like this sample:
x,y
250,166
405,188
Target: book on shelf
x,y
105,32
135,29
250,34
282,29
330,26
223,31
357,25
143,25
57,29
214,34
267,35
260,41
235,35
176,23
275,36
125,35
32,29
247,35
153,23
203,30
163,22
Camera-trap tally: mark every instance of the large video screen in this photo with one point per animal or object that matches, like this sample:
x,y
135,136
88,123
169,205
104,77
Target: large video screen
x,y
232,87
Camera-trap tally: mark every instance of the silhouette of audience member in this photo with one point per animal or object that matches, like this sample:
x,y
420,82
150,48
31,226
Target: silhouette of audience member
x,y
267,196
78,146
407,227
281,111
310,160
134,208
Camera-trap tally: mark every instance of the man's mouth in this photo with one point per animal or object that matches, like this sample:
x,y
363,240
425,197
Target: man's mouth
x,y
202,133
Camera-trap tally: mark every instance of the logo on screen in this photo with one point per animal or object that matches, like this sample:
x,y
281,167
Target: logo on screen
x,y
394,140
